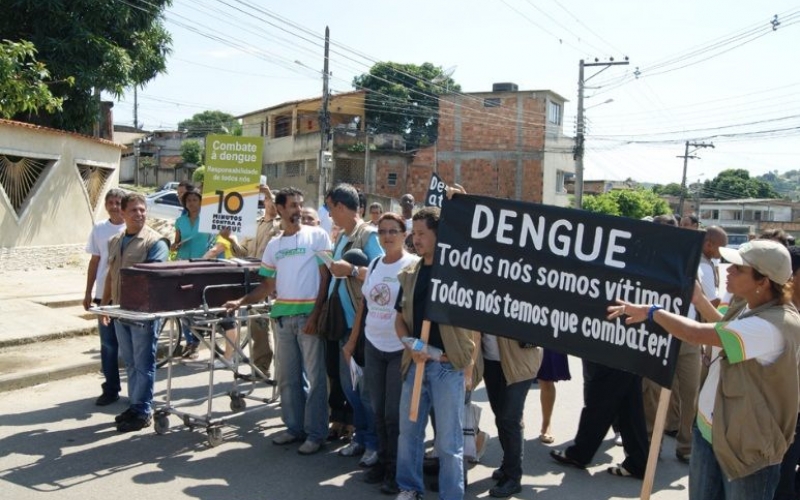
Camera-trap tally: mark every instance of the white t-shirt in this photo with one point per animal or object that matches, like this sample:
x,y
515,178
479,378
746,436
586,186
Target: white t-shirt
x,y
325,221
380,289
489,347
743,339
708,280
409,225
98,245
293,263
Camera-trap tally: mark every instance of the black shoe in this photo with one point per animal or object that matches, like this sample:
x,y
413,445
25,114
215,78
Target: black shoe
x,y
389,486
671,434
505,488
190,351
135,423
499,474
125,415
375,474
106,399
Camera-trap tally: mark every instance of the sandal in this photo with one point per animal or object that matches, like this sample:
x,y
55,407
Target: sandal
x,y
561,457
620,471
547,438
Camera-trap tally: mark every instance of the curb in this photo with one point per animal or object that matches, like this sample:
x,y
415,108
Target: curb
x,y
48,337
36,377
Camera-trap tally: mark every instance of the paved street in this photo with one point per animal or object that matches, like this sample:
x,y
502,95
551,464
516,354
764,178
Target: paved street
x,y
54,443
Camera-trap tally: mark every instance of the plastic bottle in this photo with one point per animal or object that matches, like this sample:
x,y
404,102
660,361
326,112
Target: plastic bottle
x,y
419,346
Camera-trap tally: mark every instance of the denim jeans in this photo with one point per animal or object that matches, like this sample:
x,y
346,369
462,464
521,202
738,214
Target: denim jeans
x,y
109,357
363,416
301,364
186,329
382,374
443,389
137,347
507,402
708,482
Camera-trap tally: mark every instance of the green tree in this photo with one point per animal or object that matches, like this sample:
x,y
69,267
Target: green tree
x,y
192,152
103,46
210,122
634,203
24,81
737,183
404,99
671,189
199,175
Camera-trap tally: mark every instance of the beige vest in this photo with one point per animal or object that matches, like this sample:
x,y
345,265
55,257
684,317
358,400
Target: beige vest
x,y
518,363
358,240
755,411
135,253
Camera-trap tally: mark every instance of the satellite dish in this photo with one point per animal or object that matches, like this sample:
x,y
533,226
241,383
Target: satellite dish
x,y
444,75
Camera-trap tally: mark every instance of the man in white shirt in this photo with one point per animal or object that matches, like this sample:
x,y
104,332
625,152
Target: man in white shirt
x,y
97,246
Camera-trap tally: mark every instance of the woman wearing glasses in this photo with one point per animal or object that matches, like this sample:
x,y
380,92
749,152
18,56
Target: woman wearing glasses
x,y
383,350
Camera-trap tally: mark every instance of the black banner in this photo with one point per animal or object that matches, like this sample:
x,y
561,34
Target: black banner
x,y
545,275
435,193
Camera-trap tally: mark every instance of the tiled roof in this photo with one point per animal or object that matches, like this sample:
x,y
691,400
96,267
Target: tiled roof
x,y
31,126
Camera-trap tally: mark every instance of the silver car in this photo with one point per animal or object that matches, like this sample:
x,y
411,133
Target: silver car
x,y
164,205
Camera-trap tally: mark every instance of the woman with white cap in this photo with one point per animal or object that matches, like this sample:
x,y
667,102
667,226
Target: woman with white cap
x,y
747,410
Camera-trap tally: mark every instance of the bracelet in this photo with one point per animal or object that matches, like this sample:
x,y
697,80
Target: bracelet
x,y
354,272
652,311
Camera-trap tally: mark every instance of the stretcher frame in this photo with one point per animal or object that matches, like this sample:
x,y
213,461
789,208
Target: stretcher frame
x,y
205,320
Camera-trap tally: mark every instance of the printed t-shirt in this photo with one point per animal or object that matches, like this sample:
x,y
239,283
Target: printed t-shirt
x,y
380,289
98,245
195,244
742,339
372,248
293,263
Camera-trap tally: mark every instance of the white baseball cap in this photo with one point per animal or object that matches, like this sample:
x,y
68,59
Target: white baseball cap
x,y
768,257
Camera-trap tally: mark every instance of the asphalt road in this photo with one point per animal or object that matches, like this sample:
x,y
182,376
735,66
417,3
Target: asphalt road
x,y
55,444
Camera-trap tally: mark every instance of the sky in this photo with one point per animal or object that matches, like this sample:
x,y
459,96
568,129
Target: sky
x,y
708,70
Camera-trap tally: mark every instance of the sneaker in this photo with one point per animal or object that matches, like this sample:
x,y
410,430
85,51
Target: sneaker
x,y
389,486
375,475
106,399
369,458
505,488
498,474
285,437
408,495
190,352
135,423
309,447
125,415
351,450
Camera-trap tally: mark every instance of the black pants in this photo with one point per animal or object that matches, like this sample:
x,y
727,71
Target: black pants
x,y
611,394
507,402
341,411
382,373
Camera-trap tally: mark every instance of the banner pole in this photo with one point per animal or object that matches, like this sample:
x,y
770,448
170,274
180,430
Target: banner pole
x,y
418,374
655,443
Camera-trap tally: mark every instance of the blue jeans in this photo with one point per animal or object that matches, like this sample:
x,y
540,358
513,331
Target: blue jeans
x,y
109,357
708,482
301,362
137,347
363,414
442,388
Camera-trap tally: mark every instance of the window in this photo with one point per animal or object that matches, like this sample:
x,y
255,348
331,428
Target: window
x,y
392,179
283,126
554,113
169,199
271,170
491,102
293,168
561,177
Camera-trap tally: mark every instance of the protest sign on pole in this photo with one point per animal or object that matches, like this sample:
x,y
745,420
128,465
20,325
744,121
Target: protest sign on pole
x,y
545,275
435,193
230,186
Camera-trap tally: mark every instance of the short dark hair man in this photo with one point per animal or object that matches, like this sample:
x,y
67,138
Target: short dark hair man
x,y
137,340
97,246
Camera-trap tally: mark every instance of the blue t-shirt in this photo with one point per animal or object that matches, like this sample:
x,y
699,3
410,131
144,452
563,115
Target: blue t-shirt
x,y
157,253
195,244
373,250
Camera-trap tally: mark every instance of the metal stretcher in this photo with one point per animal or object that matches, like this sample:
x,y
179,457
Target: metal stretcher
x,y
205,327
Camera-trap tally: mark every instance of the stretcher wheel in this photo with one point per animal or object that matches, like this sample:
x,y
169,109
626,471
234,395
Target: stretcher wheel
x,y
214,436
238,404
161,424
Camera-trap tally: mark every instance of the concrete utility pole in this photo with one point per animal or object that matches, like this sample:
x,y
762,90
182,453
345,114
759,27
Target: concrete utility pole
x,y
324,125
686,156
579,139
135,108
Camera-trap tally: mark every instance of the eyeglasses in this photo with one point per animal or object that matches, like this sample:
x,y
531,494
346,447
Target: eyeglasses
x,y
390,232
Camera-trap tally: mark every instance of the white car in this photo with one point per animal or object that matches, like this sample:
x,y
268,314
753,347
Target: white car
x,y
164,205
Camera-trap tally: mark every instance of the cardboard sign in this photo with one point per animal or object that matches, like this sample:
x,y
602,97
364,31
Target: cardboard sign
x,y
545,275
435,191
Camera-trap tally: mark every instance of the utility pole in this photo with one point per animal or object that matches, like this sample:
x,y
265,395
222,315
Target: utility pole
x,y
580,137
686,156
135,108
324,125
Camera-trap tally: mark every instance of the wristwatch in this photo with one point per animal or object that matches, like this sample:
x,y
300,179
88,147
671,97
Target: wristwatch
x,y
354,272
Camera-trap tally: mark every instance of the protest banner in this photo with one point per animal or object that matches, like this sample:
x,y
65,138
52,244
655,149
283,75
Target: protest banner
x,y
545,275
435,191
230,186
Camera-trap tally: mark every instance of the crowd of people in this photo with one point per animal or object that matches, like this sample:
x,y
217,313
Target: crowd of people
x,y
734,409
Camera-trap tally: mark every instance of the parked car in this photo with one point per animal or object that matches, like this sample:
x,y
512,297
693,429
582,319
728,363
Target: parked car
x,y
164,205
737,240
170,186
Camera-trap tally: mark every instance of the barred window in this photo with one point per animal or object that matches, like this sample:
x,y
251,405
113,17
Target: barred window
x,y
392,179
294,168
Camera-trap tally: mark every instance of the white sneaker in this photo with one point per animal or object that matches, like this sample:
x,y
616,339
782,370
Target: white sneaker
x,y
369,458
351,450
408,495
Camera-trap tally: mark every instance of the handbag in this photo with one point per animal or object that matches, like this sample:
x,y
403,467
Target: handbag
x,y
331,323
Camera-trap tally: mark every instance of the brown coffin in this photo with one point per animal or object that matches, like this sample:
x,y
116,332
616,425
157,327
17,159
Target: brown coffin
x,y
175,286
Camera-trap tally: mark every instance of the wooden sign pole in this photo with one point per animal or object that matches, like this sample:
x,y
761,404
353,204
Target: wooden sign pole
x,y
418,374
655,444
